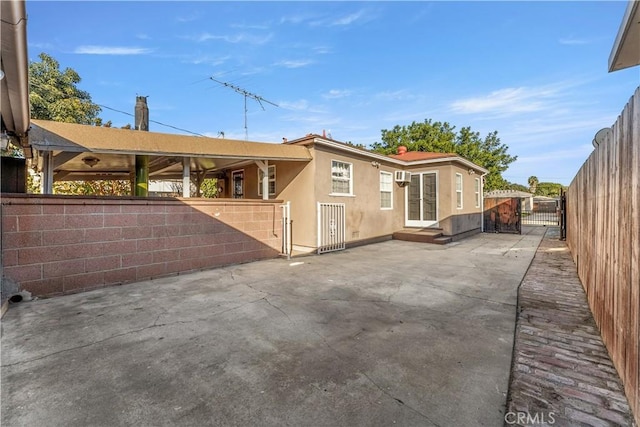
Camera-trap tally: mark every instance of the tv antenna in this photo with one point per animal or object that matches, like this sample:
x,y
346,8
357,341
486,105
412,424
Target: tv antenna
x,y
246,95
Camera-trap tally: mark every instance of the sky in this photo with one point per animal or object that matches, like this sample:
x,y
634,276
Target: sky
x,y
536,72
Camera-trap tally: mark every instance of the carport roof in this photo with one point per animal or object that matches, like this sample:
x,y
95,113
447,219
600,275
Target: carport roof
x,y
69,137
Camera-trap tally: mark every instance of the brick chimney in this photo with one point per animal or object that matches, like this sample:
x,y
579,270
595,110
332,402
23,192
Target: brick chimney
x,y
142,114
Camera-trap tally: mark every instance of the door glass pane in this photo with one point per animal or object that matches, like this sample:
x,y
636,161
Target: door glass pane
x,y
413,202
429,197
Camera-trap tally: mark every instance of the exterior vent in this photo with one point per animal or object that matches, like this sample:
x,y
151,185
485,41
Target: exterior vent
x,y
403,177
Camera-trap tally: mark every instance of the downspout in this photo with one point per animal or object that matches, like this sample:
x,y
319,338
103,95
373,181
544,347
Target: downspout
x,y
141,188
482,201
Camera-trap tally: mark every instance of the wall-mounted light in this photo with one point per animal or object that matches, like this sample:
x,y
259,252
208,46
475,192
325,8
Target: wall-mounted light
x,y
375,164
90,161
472,172
4,141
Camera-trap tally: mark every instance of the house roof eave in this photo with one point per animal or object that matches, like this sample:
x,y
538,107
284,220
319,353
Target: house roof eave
x,y
625,52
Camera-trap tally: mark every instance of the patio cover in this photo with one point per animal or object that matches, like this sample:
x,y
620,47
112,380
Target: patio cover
x,y
115,149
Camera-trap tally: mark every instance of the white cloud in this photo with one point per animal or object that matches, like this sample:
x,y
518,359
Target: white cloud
x,y
573,41
208,59
143,36
581,152
347,20
299,105
322,50
234,38
294,63
337,93
111,50
506,101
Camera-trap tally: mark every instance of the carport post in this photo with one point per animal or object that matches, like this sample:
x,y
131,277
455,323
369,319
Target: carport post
x,y
142,176
186,175
47,172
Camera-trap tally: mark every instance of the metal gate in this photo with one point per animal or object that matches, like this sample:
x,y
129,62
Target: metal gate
x,y
503,215
331,227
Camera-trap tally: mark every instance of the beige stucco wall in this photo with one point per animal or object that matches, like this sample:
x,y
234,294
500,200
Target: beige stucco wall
x,y
364,217
305,184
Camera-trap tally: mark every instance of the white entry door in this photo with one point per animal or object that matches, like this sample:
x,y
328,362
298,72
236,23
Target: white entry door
x,y
421,200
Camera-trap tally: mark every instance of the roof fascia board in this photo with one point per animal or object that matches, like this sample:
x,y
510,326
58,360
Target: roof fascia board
x,y
403,163
628,20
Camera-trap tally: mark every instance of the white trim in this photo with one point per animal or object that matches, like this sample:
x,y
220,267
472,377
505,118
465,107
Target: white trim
x,y
350,179
390,191
260,184
421,222
476,189
461,191
404,163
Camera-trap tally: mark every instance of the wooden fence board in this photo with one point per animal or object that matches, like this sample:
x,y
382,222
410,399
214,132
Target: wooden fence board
x,y
603,234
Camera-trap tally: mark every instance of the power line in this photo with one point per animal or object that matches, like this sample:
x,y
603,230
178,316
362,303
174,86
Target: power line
x,y
65,96
246,95
152,121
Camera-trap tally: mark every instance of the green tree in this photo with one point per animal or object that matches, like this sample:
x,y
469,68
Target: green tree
x,y
549,189
441,137
96,188
54,95
533,183
517,187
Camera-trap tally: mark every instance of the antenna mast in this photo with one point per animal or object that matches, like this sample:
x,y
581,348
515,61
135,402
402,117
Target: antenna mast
x,y
246,95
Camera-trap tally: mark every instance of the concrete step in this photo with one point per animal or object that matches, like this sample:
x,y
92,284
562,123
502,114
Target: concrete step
x,y
422,235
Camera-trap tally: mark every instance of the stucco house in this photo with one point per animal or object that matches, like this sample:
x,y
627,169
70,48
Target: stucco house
x,y
347,196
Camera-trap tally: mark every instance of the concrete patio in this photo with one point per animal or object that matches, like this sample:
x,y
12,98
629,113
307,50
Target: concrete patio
x,y
393,333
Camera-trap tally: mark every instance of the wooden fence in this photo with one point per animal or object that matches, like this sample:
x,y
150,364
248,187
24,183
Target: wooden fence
x,y
603,234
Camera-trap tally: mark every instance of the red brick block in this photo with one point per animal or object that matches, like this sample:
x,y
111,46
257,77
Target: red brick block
x,y
52,209
121,220
62,237
137,232
146,245
9,257
40,255
83,250
102,234
21,210
164,256
253,245
9,223
137,259
119,247
25,239
178,266
62,268
177,218
150,219
41,222
120,276
191,253
23,273
84,209
232,237
230,248
83,281
166,231
45,287
83,221
112,209
178,242
203,240
143,209
150,271
102,263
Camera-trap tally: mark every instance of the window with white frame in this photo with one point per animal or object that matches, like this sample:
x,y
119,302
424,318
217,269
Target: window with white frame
x,y
272,180
386,190
341,178
459,190
477,192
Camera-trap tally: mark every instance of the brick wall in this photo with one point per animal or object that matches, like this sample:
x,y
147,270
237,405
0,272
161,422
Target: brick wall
x,y
55,245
